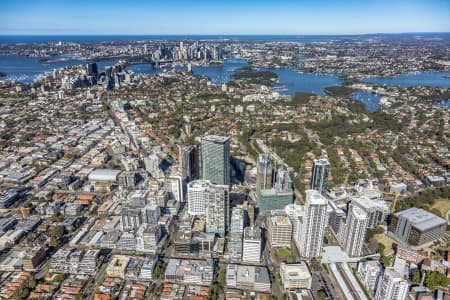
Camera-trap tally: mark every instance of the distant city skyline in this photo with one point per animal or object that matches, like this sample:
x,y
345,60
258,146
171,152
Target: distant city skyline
x,y
136,17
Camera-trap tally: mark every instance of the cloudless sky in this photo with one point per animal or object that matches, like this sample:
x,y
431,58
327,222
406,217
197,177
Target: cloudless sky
x,y
223,17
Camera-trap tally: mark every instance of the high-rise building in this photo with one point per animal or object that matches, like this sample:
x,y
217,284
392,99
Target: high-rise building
x,y
234,246
312,227
217,209
279,229
264,173
131,218
355,231
212,201
376,209
196,197
277,197
237,220
252,245
295,213
369,273
391,286
151,214
175,188
215,159
335,216
319,177
92,69
188,162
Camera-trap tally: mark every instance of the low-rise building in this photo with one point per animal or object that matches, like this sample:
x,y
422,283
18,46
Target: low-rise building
x,y
251,278
295,276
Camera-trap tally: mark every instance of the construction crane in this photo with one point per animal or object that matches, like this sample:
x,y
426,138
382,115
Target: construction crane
x,y
394,202
23,211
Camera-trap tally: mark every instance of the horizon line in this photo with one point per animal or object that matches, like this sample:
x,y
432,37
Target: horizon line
x,y
224,34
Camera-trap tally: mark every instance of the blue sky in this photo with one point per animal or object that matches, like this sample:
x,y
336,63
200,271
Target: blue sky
x,y
223,17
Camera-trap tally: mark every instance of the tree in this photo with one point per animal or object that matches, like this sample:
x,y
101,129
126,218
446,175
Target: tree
x,y
321,295
57,231
386,261
416,277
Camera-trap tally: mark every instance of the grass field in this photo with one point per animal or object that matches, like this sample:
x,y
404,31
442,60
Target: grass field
x,y
443,205
386,241
284,254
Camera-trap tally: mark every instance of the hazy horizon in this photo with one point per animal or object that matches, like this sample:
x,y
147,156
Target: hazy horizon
x,y
284,17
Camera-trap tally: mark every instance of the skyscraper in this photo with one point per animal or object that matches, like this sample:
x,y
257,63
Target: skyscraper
x,y
355,228
212,201
313,224
215,159
188,160
264,173
319,177
391,286
278,196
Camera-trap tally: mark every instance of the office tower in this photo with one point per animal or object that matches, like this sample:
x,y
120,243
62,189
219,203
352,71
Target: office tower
x,y
391,286
251,245
205,198
277,197
237,220
369,273
131,218
416,226
264,173
92,69
279,229
319,177
175,188
215,159
313,224
188,162
355,231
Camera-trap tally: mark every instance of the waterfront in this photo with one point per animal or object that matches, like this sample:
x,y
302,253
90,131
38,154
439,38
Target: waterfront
x,y
434,79
290,80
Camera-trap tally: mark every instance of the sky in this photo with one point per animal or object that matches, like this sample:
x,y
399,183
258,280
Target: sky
x,y
190,17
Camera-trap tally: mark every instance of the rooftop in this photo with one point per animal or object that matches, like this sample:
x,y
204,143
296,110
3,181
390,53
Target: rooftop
x,y
216,139
421,219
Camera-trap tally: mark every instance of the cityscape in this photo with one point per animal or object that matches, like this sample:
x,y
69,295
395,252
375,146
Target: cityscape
x,y
202,157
